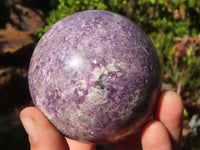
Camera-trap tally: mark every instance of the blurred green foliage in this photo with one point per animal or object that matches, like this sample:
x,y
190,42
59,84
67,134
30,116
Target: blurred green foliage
x,y
164,21
68,7
185,114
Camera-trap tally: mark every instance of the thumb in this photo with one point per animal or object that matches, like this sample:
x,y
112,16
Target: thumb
x,y
42,134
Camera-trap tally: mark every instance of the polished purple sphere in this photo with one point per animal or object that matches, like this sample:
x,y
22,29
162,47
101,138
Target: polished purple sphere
x,y
96,76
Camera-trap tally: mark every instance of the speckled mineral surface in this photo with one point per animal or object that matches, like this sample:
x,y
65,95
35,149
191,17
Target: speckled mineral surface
x,y
96,76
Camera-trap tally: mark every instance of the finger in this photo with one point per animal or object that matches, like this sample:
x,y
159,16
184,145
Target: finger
x,y
170,113
42,134
155,136
76,145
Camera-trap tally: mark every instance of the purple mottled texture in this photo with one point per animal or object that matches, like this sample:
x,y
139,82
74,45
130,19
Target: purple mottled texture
x,y
96,76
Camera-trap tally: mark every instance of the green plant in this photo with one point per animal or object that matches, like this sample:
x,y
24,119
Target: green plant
x,y
183,66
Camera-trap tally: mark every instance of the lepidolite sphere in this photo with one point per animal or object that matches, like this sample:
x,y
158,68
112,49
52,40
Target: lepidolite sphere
x,y
96,76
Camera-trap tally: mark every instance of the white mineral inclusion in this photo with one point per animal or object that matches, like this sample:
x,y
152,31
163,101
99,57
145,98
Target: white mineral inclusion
x,y
94,61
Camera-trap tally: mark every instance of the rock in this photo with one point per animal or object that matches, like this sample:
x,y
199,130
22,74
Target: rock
x,y
5,77
15,45
195,124
11,2
13,88
96,76
12,40
8,73
26,19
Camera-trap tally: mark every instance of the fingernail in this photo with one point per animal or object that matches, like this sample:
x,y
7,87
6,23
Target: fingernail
x,y
29,127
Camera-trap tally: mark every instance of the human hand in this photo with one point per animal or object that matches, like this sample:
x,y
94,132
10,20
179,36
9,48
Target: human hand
x,y
163,132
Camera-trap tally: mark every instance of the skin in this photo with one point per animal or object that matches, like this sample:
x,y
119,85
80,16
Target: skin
x,y
163,131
